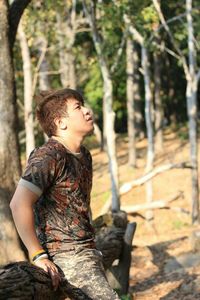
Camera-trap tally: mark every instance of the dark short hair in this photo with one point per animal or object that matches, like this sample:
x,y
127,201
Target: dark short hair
x,y
52,104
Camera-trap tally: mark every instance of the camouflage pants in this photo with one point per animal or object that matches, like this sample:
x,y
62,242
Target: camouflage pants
x,y
83,269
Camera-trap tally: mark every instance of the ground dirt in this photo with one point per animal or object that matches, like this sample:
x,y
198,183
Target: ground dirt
x,y
157,271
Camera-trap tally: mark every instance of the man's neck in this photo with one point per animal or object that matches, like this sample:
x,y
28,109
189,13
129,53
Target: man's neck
x,y
72,144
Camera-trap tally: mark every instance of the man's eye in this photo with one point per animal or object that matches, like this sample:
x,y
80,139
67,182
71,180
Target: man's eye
x,y
78,106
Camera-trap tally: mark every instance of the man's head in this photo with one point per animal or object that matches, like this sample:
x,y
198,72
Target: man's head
x,y
52,106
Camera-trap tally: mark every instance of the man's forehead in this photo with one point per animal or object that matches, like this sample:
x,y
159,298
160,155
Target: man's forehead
x,y
73,101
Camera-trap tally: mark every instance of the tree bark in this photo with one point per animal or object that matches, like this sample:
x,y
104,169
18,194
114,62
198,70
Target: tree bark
x,y
15,12
191,94
149,127
138,116
66,38
158,102
28,96
44,83
130,103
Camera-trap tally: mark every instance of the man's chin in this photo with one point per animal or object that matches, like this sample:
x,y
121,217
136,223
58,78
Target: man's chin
x,y
91,132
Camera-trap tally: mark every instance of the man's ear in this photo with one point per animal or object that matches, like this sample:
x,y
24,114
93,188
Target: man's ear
x,y
61,123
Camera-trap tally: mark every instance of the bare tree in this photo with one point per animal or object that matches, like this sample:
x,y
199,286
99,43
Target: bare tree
x,y
192,75
148,106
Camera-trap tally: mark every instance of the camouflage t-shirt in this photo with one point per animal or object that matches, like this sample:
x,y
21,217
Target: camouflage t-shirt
x,y
63,182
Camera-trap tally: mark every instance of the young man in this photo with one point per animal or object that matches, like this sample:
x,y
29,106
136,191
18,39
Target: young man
x,y
51,205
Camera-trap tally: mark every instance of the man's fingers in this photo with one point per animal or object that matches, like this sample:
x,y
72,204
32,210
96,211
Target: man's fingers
x,y
55,277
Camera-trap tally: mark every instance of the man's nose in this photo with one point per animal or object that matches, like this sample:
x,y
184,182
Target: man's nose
x,y
88,110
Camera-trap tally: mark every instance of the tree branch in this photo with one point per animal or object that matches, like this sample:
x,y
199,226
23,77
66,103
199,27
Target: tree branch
x,y
152,205
126,187
119,52
165,25
136,35
16,10
35,77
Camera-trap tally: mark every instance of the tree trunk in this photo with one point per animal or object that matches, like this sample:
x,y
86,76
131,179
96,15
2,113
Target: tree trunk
x,y
191,94
149,127
107,109
28,97
158,102
192,115
44,83
138,117
66,39
9,151
130,103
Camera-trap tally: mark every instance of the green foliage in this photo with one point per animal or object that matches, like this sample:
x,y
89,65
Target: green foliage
x,y
93,89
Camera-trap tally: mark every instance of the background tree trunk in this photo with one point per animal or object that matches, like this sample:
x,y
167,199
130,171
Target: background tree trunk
x,y
149,127
130,103
66,38
28,96
107,108
44,83
158,101
138,115
191,94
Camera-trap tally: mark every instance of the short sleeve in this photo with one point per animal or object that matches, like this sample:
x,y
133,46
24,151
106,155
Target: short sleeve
x,y
40,172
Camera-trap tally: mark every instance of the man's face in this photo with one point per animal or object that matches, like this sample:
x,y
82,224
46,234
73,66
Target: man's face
x,y
79,118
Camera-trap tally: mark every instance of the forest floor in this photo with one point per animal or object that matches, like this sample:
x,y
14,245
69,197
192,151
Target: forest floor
x,y
164,263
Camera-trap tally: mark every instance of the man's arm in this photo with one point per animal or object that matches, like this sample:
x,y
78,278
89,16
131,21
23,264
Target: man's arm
x,y
22,210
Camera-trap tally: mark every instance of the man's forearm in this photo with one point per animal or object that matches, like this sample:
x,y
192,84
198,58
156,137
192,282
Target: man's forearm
x,y
22,210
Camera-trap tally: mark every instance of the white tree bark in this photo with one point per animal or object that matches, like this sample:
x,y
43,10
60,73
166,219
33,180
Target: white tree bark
x,y
158,103
191,94
28,97
130,103
44,83
149,127
108,110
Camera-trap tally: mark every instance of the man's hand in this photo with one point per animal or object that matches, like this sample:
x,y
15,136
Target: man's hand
x,y
49,267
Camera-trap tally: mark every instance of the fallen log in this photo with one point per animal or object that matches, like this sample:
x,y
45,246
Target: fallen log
x,y
126,187
151,205
24,281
